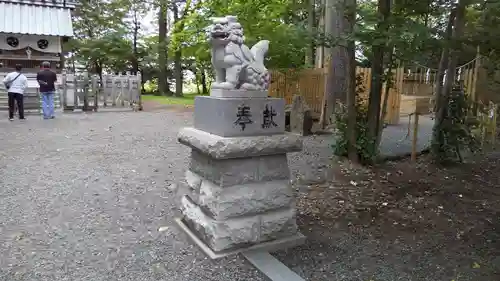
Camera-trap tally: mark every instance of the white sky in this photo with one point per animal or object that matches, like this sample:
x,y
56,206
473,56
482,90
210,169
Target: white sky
x,y
147,22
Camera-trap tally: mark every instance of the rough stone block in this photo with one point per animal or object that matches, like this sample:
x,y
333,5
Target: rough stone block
x,y
193,183
278,224
242,200
227,172
229,234
219,147
234,117
193,180
265,247
224,93
220,235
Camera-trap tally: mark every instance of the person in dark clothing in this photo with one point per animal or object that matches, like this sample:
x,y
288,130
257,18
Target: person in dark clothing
x,y
47,80
16,83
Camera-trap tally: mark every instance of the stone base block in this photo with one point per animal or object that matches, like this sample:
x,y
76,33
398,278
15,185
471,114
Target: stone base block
x,y
227,172
193,182
238,200
234,117
224,93
269,246
218,147
228,234
245,199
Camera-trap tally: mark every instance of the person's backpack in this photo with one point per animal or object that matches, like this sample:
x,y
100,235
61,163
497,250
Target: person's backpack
x,y
8,84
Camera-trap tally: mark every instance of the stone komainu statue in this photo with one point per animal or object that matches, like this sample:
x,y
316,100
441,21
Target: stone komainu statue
x,y
236,66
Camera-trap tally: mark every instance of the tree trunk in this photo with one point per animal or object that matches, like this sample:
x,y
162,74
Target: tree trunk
x,y
197,80
163,85
177,58
375,97
135,61
98,69
320,50
388,85
455,52
179,77
443,63
204,87
441,104
336,85
143,90
309,61
326,23
352,151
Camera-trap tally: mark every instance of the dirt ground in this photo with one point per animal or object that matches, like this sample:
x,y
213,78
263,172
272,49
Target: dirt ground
x,y
398,221
402,221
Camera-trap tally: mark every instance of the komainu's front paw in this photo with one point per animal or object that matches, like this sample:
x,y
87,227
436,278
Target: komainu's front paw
x,y
224,85
248,86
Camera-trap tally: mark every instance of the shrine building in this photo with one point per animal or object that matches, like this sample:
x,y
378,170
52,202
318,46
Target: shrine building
x,y
33,31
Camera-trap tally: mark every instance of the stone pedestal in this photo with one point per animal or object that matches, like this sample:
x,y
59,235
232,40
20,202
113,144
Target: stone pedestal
x,y
239,193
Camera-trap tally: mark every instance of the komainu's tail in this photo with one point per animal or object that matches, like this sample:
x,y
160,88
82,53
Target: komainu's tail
x,y
259,50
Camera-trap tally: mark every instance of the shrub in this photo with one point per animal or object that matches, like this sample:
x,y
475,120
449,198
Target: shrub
x,y
365,146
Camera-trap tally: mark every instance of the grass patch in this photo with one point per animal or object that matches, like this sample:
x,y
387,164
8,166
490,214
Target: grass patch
x,y
187,99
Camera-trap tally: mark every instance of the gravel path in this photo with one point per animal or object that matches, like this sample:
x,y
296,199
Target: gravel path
x,y
83,196
396,141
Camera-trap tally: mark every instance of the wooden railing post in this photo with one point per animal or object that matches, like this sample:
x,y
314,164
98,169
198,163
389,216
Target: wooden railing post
x,y
139,88
414,142
96,90
493,122
64,90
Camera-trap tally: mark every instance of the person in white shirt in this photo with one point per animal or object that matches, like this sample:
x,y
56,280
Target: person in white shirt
x,y
15,83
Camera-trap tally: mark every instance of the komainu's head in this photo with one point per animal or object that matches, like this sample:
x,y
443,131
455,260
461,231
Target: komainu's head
x,y
224,30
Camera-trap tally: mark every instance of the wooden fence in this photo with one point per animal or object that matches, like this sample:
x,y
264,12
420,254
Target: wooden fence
x,y
411,90
89,92
82,92
311,84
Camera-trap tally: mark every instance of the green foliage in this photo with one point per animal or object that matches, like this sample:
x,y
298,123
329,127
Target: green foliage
x,y
191,38
364,145
482,30
151,87
108,50
415,30
414,39
261,19
454,134
102,30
